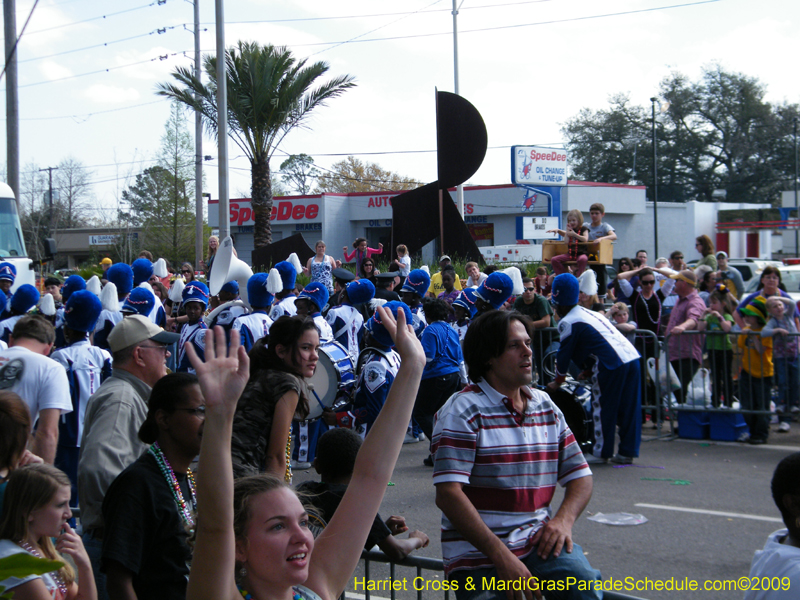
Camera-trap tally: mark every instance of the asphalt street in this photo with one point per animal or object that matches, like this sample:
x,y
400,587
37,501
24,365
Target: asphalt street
x,y
677,485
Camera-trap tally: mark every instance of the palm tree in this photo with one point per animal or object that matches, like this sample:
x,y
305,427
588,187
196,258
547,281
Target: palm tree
x,y
269,94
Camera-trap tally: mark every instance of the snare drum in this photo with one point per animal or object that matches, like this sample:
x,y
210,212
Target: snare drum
x,y
334,371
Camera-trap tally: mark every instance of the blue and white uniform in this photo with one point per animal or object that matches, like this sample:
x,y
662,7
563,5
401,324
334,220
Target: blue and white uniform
x,y
325,331
105,323
284,307
374,382
418,320
7,326
587,337
252,327
194,334
87,368
347,325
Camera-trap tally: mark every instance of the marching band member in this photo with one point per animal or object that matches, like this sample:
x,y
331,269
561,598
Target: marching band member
x,y
346,320
255,325
195,302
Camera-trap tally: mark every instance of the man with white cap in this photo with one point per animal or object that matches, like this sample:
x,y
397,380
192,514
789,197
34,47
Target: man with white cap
x,y
113,417
729,276
593,342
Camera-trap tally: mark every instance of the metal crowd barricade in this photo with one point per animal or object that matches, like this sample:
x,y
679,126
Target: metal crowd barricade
x,y
422,563
728,374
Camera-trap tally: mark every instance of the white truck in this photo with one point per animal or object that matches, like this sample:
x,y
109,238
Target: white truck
x,y
12,243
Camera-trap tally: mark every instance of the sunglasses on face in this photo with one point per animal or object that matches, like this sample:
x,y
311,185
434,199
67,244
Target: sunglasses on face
x,y
648,282
529,289
185,271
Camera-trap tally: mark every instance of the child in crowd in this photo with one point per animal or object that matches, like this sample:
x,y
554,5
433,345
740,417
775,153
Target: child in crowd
x,y
35,512
598,229
719,318
195,302
464,310
403,263
335,463
542,282
449,294
576,235
755,382
475,277
362,251
619,314
782,328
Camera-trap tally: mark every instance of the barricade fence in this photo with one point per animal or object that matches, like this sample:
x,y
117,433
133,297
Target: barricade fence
x,y
735,373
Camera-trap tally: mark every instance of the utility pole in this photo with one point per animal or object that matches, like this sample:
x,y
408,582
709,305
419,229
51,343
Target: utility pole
x,y
655,180
460,186
797,213
222,124
50,198
198,149
12,99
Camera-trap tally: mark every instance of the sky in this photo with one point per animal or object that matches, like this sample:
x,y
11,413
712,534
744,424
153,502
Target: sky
x,y
88,72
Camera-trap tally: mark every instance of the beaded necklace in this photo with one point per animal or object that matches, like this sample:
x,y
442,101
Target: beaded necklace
x,y
56,575
287,475
656,323
177,494
248,596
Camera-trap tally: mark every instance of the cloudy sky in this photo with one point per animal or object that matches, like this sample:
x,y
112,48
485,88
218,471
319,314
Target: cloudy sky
x,y
88,71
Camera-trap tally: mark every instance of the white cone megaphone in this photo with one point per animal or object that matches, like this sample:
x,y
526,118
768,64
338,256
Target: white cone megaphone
x,y
228,267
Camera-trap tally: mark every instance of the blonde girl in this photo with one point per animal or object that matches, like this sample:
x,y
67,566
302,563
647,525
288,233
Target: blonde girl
x,y
576,235
36,509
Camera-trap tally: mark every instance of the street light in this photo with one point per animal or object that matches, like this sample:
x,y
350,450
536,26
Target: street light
x,y
655,179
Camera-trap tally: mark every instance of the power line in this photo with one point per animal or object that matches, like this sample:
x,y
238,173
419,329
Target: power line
x,y
515,26
100,17
98,112
159,31
10,56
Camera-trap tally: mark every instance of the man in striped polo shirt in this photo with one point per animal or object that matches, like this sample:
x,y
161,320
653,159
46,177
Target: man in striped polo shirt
x,y
500,448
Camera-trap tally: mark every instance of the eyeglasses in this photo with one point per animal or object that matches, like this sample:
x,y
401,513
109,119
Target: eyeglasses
x,y
160,347
648,282
185,271
527,289
199,412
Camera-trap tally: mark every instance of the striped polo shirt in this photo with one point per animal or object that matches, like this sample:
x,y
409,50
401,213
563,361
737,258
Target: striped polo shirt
x,y
508,462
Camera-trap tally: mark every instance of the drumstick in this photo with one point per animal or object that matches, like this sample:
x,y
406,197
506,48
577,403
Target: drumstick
x,y
318,400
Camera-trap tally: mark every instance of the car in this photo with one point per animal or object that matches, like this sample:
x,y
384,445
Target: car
x,y
751,268
790,277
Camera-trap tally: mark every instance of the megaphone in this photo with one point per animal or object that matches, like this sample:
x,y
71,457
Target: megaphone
x,y
228,267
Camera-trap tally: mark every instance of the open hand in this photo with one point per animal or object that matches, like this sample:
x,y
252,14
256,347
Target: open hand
x,y
225,371
554,536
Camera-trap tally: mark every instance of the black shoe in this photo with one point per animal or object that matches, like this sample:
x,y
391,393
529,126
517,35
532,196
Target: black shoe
x,y
428,461
757,441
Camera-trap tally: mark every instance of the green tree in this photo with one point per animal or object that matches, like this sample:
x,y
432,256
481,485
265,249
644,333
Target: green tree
x,y
715,133
297,171
269,94
354,175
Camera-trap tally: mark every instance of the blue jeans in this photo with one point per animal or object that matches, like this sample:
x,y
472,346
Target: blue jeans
x,y
94,548
787,378
567,565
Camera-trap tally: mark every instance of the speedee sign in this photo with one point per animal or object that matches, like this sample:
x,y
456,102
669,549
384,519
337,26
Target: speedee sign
x,y
296,210
535,165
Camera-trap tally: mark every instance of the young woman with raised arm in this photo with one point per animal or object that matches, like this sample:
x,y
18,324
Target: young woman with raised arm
x,y
257,544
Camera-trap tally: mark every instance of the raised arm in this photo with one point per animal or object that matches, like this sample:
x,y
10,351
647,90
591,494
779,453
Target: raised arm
x,y
222,378
338,549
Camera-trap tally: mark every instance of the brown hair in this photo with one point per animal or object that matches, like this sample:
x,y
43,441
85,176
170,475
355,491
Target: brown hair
x,y
402,250
15,428
578,215
486,339
706,244
597,206
34,327
30,488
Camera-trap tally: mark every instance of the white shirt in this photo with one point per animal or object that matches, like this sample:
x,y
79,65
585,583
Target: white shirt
x,y
776,560
40,381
